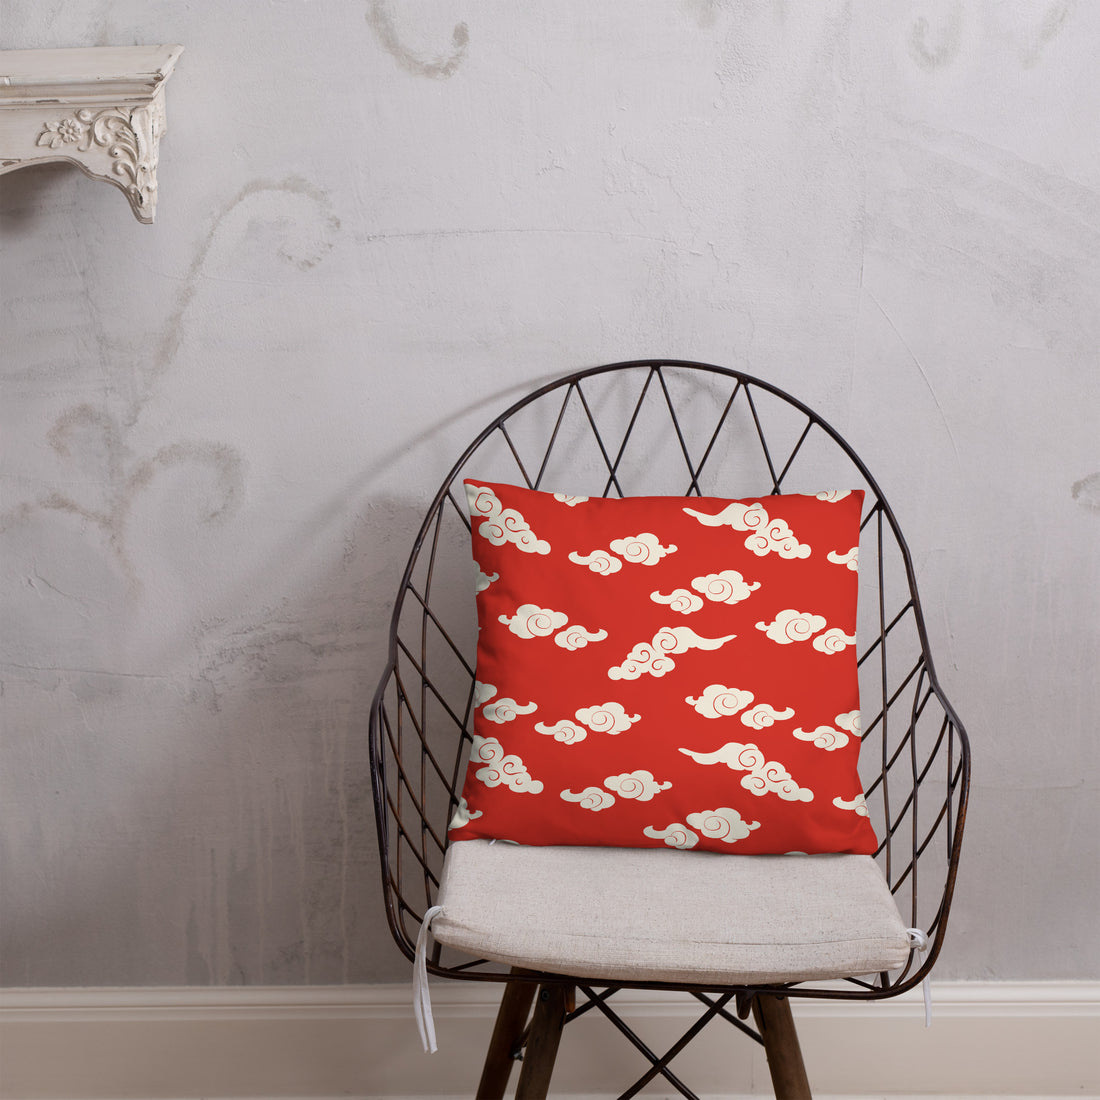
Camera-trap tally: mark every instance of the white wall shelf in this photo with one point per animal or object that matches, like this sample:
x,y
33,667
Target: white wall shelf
x,y
100,108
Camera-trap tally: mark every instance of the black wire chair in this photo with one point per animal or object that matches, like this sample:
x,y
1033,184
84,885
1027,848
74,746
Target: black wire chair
x,y
658,427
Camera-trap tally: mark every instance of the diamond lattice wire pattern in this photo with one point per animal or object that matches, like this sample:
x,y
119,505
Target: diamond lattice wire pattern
x,y
663,429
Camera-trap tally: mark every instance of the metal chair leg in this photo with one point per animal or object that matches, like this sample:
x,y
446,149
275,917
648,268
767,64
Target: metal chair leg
x,y
776,1024
542,1042
515,1006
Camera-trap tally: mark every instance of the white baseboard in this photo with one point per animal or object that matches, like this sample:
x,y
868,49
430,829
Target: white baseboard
x,y
316,1043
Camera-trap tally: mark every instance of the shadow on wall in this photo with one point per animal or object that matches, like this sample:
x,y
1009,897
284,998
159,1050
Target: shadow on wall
x,y
214,824
187,796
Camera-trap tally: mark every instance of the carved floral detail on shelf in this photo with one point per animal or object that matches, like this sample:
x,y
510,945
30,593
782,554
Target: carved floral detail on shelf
x,y
100,108
130,138
65,132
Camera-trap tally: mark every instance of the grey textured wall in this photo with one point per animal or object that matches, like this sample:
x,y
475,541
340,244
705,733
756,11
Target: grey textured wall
x,y
378,221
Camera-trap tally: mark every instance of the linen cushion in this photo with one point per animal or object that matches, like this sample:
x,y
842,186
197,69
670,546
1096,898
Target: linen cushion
x,y
669,916
666,671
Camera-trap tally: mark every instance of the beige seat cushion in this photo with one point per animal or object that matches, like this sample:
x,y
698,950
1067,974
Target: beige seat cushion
x,y
646,914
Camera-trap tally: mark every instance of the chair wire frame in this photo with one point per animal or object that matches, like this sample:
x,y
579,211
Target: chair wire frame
x,y
676,428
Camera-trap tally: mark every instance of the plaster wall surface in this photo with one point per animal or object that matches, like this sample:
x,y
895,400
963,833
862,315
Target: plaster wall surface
x,y
381,221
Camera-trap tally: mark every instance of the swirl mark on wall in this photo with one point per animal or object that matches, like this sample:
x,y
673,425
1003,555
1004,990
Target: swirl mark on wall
x,y
93,441
441,68
932,57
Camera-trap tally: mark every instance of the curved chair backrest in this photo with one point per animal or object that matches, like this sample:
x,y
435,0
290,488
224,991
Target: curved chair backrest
x,y
664,428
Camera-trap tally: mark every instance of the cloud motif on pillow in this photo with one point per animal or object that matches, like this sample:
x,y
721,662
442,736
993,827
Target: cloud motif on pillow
x,y
726,587
858,804
500,767
827,738
725,824
764,715
601,717
679,599
655,658
483,692
764,776
462,815
502,525
792,626
577,637
598,561
608,718
532,621
824,737
485,579
833,640
674,835
849,559
568,733
506,710
643,549
765,535
718,701
591,798
640,785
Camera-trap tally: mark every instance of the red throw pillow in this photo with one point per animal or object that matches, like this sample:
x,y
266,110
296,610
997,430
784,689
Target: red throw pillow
x,y
672,671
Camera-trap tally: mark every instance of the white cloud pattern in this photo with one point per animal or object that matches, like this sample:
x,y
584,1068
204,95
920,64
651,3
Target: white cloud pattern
x,y
858,805
591,798
679,599
725,587
640,785
568,733
655,658
610,718
764,776
502,525
675,835
501,768
463,815
724,823
790,625
572,501
741,517
765,535
850,722
833,495
599,561
850,558
577,637
607,718
824,737
505,710
532,621
719,701
778,537
484,579
834,640
643,549
764,715
775,779
483,693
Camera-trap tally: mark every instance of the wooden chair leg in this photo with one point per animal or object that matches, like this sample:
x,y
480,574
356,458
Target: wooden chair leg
x,y
515,1006
776,1024
542,1042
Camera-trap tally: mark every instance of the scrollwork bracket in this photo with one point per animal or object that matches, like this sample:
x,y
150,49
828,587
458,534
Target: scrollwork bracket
x,y
114,139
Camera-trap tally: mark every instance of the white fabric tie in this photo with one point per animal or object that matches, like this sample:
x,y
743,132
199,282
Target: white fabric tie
x,y
422,1000
918,941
